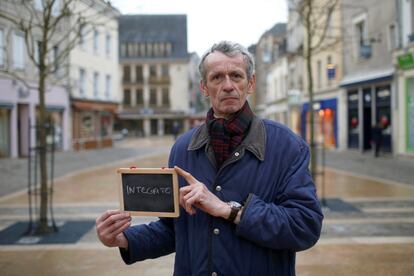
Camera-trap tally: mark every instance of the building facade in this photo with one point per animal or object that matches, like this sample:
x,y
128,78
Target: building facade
x,y
403,58
276,87
326,64
19,93
370,92
94,76
266,53
155,74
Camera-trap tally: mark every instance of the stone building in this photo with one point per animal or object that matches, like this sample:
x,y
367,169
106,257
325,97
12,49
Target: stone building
x,y
19,93
155,74
94,76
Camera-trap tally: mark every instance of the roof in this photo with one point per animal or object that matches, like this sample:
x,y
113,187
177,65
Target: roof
x,y
151,28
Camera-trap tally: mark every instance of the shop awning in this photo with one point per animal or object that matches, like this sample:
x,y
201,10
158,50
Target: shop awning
x,y
367,77
95,105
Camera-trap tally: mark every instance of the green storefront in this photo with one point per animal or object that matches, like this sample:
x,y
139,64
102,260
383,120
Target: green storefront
x,y
406,64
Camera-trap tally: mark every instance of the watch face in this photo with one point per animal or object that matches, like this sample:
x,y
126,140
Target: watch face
x,y
234,204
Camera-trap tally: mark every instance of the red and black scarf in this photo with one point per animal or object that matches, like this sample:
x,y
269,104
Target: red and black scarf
x,y
227,135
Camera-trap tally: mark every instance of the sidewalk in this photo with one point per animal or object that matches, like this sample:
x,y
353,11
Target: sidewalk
x,y
14,171
393,168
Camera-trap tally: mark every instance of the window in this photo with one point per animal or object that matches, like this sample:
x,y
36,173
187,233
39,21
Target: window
x,y
142,49
168,49
108,45
55,59
82,80
39,5
412,17
330,70
95,84
162,49
1,48
123,50
37,47
139,73
56,8
149,49
363,49
127,97
95,41
153,96
392,36
319,74
164,70
131,50
165,97
153,70
139,96
18,51
107,86
82,35
127,73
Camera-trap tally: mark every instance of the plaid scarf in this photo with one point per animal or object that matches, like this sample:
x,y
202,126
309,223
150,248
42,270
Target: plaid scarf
x,y
227,135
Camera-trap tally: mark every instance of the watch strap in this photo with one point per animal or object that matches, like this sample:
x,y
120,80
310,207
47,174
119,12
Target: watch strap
x,y
233,212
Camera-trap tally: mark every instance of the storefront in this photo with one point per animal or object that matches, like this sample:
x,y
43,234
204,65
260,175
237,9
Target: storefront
x,y
368,105
92,124
5,130
325,122
18,116
405,62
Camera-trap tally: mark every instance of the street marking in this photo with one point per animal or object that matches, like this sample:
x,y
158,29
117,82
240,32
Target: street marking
x,y
366,240
372,178
368,220
387,210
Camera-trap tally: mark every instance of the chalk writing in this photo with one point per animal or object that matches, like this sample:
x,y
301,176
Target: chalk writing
x,y
135,190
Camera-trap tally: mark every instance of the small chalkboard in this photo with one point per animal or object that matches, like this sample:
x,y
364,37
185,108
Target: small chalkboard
x,y
149,192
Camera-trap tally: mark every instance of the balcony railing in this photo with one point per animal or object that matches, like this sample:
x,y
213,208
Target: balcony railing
x,y
159,80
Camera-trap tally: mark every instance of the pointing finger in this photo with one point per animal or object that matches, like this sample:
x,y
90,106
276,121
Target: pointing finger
x,y
186,175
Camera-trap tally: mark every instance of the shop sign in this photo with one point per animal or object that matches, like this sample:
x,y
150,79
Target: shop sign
x,y
331,71
406,61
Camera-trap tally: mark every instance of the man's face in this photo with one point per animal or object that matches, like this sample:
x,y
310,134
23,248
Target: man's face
x,y
226,83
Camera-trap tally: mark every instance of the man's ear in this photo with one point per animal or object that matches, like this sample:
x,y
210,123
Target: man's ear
x,y
251,85
203,89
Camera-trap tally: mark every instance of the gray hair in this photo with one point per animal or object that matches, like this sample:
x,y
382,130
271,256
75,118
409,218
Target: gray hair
x,y
229,49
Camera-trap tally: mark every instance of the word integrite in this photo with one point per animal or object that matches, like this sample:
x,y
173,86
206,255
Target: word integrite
x,y
131,190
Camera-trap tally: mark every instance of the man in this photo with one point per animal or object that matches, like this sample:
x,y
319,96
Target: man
x,y
377,138
248,197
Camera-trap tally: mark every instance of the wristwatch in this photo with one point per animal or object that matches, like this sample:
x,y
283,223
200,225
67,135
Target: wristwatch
x,y
235,208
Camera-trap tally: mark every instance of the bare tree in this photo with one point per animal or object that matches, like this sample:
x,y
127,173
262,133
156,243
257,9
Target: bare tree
x,y
315,16
51,29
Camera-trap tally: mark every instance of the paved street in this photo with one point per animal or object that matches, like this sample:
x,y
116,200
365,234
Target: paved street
x,y
368,226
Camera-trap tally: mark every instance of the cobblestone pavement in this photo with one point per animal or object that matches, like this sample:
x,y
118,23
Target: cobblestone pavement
x,y
368,226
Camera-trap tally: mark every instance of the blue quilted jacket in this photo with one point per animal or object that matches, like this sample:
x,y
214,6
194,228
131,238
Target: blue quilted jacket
x,y
281,215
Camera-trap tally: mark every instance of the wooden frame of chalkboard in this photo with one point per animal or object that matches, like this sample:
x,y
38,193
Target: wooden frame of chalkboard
x,y
149,192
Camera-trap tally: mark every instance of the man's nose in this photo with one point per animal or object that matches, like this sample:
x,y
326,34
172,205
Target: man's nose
x,y
228,84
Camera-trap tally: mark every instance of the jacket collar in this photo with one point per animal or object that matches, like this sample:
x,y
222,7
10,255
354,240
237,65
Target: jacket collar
x,y
255,140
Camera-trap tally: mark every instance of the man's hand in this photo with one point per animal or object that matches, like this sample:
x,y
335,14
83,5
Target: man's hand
x,y
109,227
197,195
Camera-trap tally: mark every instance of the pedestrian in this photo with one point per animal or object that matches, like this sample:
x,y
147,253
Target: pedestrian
x,y
175,129
248,200
377,138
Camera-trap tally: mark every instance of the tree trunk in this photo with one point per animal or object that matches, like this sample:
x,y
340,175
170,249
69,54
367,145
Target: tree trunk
x,y
43,218
310,88
43,225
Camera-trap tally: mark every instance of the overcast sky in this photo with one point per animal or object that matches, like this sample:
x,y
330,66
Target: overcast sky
x,y
209,21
